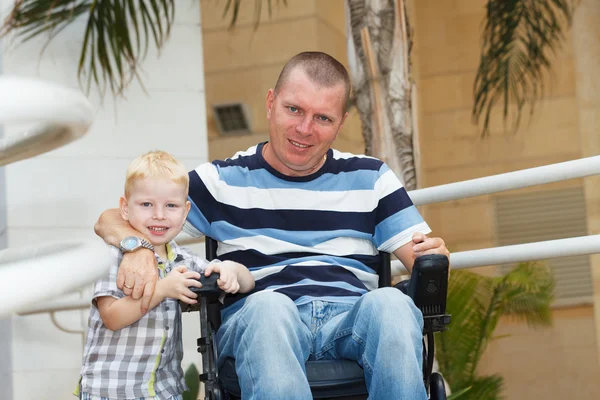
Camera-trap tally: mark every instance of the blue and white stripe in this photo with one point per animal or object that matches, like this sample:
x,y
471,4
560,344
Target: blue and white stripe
x,y
307,237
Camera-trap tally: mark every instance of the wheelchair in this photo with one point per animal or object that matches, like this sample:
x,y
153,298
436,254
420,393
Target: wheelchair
x,y
330,379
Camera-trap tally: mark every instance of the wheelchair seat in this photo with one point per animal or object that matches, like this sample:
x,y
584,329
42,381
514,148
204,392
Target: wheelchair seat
x,y
327,378
331,379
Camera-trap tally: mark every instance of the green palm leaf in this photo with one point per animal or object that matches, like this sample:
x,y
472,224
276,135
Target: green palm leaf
x,y
116,37
518,39
476,303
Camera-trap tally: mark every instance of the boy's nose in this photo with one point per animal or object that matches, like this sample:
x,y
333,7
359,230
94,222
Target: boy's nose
x,y
159,214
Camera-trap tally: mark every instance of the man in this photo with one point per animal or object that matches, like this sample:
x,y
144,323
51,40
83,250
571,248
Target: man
x,y
308,221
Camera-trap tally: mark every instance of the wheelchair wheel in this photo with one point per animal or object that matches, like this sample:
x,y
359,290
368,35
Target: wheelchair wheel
x,y
437,390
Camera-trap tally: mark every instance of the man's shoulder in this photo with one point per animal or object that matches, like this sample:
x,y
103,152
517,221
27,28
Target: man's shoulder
x,y
352,162
247,159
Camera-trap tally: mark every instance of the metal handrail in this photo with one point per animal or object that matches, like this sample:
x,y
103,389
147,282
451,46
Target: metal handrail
x,y
61,115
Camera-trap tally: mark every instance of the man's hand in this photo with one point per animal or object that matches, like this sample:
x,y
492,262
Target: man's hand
x,y
423,245
138,275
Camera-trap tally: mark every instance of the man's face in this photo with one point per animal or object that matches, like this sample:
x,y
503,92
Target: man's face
x,y
304,120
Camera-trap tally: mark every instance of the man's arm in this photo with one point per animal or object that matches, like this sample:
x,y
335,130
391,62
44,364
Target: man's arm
x,y
420,245
137,273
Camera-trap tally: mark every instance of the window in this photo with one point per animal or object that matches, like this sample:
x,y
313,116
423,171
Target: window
x,y
549,215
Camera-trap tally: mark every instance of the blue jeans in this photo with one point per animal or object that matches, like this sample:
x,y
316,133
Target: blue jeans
x,y
271,339
87,396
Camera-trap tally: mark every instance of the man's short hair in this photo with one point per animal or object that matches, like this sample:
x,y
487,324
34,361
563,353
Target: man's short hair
x,y
156,164
321,68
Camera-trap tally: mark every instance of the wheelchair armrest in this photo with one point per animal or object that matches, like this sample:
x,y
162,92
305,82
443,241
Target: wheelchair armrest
x,y
209,291
209,285
428,287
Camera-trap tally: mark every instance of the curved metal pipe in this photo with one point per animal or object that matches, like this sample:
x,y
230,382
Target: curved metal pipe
x,y
30,275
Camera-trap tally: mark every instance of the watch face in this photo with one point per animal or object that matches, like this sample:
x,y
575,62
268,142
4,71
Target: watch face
x,y
129,243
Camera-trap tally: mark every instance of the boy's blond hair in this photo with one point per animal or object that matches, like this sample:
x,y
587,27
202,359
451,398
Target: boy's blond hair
x,y
156,164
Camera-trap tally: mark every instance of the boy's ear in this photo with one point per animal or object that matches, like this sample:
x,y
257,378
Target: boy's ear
x,y
187,208
124,208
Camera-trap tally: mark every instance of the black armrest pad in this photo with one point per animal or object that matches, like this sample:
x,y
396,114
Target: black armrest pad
x,y
209,285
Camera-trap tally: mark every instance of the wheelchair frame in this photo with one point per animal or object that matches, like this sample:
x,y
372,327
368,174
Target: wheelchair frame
x,y
427,287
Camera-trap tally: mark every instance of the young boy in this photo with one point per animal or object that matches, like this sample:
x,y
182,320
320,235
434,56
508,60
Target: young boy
x,y
130,355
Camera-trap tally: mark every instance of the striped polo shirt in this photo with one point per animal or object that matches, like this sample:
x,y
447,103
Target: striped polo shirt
x,y
313,237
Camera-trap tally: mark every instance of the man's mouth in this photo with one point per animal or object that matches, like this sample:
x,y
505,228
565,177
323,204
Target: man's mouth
x,y
300,145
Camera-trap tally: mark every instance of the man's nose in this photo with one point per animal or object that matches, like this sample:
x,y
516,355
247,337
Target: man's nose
x,y
304,126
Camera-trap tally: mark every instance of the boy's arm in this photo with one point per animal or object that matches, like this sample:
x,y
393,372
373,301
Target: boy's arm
x,y
119,313
137,274
245,278
234,278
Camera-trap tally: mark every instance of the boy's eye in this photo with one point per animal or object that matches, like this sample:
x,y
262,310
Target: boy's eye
x,y
146,204
171,205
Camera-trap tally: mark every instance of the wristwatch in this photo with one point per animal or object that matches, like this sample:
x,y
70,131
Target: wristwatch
x,y
132,243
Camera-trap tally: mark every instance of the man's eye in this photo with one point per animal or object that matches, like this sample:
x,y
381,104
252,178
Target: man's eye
x,y
323,118
293,109
146,204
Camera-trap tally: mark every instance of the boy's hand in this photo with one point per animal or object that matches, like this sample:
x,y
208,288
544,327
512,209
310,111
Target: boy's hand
x,y
177,285
228,280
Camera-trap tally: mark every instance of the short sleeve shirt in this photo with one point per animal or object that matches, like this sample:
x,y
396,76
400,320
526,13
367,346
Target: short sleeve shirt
x,y
143,359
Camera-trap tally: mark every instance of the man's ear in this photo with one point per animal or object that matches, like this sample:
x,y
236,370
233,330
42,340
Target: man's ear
x,y
341,124
269,102
124,208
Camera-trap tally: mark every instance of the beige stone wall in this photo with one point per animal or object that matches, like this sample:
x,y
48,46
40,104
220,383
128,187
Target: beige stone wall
x,y
242,64
554,363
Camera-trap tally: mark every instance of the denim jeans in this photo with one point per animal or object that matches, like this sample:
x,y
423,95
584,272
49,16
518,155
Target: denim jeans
x,y
87,396
271,339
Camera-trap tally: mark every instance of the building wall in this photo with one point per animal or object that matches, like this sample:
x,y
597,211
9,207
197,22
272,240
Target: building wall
x,y
243,63
59,195
550,363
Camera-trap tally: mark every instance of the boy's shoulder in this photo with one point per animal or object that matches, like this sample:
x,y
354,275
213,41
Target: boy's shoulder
x,y
184,253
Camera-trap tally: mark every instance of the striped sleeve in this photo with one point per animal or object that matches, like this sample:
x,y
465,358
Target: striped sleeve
x,y
397,218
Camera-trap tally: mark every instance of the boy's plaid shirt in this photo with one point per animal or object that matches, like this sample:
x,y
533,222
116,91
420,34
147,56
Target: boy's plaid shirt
x,y
143,359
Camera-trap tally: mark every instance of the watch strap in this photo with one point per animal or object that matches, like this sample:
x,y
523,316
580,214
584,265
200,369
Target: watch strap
x,y
146,244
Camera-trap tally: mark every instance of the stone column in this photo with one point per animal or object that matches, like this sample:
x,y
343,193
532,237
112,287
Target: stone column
x,y
586,44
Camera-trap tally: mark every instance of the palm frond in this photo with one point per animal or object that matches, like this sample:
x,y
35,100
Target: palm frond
x,y
518,39
233,6
485,388
476,303
528,291
468,297
116,37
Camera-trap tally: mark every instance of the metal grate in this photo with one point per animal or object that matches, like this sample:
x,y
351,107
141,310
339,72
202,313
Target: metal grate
x,y
232,119
548,215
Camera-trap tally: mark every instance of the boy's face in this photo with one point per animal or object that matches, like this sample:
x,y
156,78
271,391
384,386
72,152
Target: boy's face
x,y
157,208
